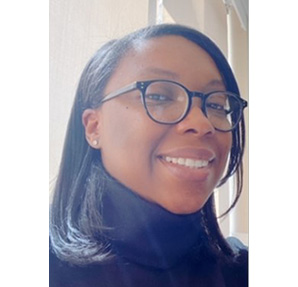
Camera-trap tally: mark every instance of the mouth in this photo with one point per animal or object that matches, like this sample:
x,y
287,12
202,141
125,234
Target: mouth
x,y
187,168
187,162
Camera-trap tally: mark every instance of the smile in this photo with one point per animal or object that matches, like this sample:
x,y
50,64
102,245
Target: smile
x,y
187,162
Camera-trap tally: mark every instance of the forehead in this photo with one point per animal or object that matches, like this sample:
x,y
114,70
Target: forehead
x,y
167,57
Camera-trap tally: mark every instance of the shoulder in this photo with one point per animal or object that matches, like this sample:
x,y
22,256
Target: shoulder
x,y
240,252
59,272
236,272
64,274
236,244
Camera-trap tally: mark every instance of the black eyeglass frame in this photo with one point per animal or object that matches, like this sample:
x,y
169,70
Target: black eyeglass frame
x,y
143,85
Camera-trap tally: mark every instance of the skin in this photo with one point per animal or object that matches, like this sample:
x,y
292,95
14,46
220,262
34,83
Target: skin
x,y
133,147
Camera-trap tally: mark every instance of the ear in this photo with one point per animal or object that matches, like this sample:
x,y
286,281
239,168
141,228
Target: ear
x,y
91,122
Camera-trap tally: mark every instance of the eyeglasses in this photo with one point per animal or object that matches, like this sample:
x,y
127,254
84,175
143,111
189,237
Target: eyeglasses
x,y
168,102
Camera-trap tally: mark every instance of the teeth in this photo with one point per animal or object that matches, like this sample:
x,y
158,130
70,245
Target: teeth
x,y
187,162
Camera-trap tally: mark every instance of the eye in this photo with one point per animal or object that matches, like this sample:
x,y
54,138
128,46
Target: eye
x,y
158,98
217,110
216,107
218,104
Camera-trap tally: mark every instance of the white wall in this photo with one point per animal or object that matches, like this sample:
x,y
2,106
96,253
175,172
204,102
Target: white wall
x,y
239,62
77,29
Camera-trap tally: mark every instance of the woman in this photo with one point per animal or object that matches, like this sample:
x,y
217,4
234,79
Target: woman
x,y
156,125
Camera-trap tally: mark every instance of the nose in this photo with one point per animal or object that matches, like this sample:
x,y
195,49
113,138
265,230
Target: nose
x,y
195,122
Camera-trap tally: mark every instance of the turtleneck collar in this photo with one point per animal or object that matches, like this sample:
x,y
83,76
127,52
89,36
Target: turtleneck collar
x,y
144,232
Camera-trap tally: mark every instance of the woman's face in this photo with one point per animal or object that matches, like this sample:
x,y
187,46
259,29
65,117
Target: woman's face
x,y
153,159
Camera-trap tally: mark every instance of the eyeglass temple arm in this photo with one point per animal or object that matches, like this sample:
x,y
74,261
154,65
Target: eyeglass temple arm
x,y
119,92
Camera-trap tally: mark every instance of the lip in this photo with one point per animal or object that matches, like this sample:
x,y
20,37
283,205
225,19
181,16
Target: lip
x,y
185,173
193,153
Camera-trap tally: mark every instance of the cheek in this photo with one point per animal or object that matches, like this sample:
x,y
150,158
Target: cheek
x,y
119,124
117,132
128,141
225,144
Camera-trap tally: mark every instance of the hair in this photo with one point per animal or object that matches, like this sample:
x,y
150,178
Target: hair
x,y
75,219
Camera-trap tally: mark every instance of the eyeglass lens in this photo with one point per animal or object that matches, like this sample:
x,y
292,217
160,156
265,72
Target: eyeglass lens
x,y
168,102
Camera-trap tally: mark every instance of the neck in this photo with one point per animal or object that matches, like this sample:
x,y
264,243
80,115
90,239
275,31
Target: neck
x,y
145,233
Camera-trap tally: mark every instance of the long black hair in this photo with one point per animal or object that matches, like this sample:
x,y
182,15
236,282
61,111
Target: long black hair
x,y
75,219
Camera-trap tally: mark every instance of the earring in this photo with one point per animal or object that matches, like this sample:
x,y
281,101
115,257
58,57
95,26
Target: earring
x,y
95,142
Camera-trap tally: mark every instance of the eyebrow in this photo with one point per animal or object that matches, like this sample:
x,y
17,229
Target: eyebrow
x,y
215,83
162,72
175,76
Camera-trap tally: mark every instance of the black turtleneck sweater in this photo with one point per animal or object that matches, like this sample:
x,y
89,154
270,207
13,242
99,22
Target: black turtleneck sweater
x,y
152,247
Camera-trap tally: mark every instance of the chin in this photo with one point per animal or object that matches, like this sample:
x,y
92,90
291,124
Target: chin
x,y
184,208
184,203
